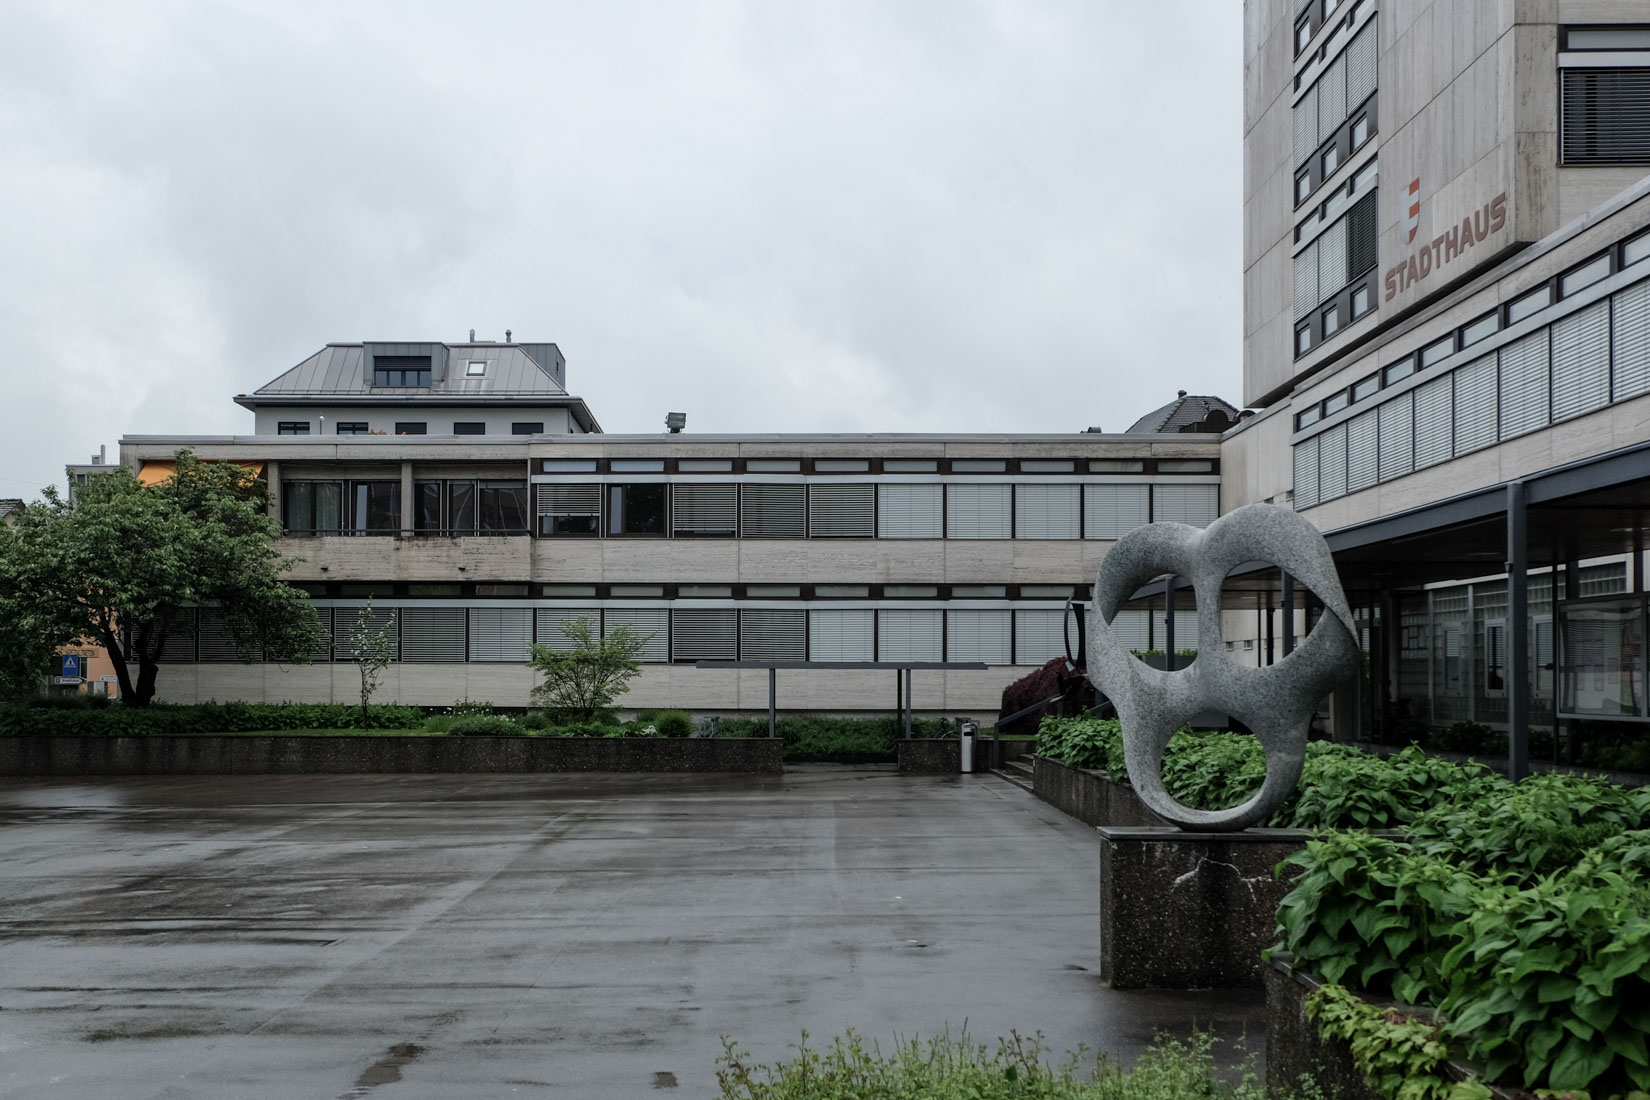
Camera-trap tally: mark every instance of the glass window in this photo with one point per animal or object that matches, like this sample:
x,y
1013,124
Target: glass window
x,y
910,465
1308,417
841,465
1635,250
1331,321
298,507
1361,301
910,591
638,465
427,506
1607,38
1365,177
1538,299
1303,188
987,591
401,370
410,427
461,507
568,466
1437,352
469,427
1116,465
501,590
1334,403
352,427
426,588
705,465
527,427
842,590
1601,657
1367,388
705,591
1303,339
635,509
1331,160
292,427
553,590
978,465
1045,592
773,465
1303,34
1586,275
773,591
1481,329
1402,369
1047,466
503,507
367,588
376,507
635,590
477,368
1185,466
1360,131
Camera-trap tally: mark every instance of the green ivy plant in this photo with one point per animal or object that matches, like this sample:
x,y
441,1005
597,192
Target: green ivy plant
x,y
1398,1055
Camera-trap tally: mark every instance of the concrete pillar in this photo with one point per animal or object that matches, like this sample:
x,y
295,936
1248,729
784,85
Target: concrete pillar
x,y
407,505
272,478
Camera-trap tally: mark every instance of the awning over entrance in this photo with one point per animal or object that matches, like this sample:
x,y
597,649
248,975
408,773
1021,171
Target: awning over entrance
x,y
155,471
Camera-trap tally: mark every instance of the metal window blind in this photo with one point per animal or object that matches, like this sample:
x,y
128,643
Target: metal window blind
x,y
1306,473
548,623
1185,630
1434,417
432,634
1361,458
1361,234
700,509
179,646
213,641
703,634
1332,463
651,623
1604,116
908,635
1332,98
842,511
1132,627
1197,505
978,635
345,622
1475,417
1306,280
1046,511
1305,116
568,500
1039,637
1331,261
841,634
1630,342
1524,380
778,634
772,511
501,633
1397,436
1361,54
978,511
910,511
1581,361
1112,511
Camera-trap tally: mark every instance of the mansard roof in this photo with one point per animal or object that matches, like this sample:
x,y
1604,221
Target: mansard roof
x,y
343,371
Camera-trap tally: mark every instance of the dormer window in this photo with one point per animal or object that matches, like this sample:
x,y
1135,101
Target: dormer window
x,y
477,368
401,370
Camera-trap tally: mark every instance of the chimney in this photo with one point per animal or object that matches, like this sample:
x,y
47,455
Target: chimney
x,y
507,336
472,336
1180,393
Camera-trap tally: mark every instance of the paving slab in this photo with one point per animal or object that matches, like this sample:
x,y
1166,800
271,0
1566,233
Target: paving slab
x,y
391,937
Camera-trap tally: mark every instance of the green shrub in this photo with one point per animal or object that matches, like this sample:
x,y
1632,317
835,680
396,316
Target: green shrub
x,y
535,720
1397,1056
471,708
199,718
1084,743
669,723
489,724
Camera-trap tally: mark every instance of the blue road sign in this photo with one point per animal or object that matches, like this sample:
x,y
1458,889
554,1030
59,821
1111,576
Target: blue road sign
x,y
71,665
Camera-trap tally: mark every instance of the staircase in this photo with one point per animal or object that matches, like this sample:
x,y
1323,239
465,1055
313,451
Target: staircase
x,y
1017,770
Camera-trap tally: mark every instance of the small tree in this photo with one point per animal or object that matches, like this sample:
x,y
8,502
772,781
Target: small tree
x,y
582,682
372,644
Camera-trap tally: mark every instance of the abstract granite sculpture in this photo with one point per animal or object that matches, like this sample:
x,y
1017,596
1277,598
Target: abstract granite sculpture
x,y
1276,702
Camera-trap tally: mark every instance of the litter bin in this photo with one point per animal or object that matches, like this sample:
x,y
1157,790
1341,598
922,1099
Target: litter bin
x,y
967,730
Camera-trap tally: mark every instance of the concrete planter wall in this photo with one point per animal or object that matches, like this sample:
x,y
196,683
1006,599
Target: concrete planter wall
x,y
933,756
1089,796
287,755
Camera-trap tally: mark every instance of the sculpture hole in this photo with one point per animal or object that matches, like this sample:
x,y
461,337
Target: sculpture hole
x,y
1158,634
1254,624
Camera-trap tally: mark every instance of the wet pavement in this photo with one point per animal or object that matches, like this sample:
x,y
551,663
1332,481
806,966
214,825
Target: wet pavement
x,y
388,937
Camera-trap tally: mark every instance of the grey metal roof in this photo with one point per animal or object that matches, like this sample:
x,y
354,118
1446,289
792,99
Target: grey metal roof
x,y
338,370
1180,414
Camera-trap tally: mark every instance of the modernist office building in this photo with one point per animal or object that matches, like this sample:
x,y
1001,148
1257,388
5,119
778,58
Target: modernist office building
x,y
469,495
1447,334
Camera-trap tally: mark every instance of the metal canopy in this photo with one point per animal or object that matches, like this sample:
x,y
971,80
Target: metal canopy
x,y
902,680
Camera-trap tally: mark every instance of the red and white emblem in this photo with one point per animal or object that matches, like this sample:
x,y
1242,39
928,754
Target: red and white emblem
x,y
1414,206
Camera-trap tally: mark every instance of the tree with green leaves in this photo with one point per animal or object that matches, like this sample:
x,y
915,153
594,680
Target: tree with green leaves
x,y
29,635
116,566
582,681
371,644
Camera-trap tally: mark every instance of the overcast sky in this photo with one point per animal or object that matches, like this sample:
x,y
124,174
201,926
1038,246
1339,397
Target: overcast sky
x,y
774,216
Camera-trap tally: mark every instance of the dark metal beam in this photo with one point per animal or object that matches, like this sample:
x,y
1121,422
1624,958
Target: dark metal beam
x,y
1518,633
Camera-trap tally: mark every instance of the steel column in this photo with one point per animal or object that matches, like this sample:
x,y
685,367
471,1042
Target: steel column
x,y
1288,613
773,702
1518,631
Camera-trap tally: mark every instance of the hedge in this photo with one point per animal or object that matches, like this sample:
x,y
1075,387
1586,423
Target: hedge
x,y
158,719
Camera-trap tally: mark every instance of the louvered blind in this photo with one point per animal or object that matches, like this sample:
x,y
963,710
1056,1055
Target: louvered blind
x,y
650,623
1046,511
1197,505
1361,458
501,633
1361,55
1305,116
772,511
346,621
432,634
214,642
1630,342
1185,630
978,635
700,509
1434,420
908,635
1360,237
842,511
1604,116
777,634
179,647
841,634
568,500
1332,463
1039,636
1306,280
978,511
1581,362
910,511
549,621
1331,260
1524,380
1306,473
1332,98
1475,418
1397,436
1132,627
1112,511
703,634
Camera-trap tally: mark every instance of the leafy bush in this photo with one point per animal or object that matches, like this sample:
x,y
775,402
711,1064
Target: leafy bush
x,y
536,720
199,718
469,708
1084,743
1399,1056
837,740
488,724
669,723
1342,787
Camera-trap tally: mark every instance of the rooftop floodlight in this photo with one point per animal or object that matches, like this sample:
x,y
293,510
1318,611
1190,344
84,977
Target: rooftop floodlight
x,y
675,422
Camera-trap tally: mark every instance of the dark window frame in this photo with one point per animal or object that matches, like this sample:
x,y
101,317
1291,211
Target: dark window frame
x,y
469,427
351,427
292,427
412,427
527,427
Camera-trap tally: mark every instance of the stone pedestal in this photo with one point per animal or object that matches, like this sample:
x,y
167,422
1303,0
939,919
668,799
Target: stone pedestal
x,y
1182,910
